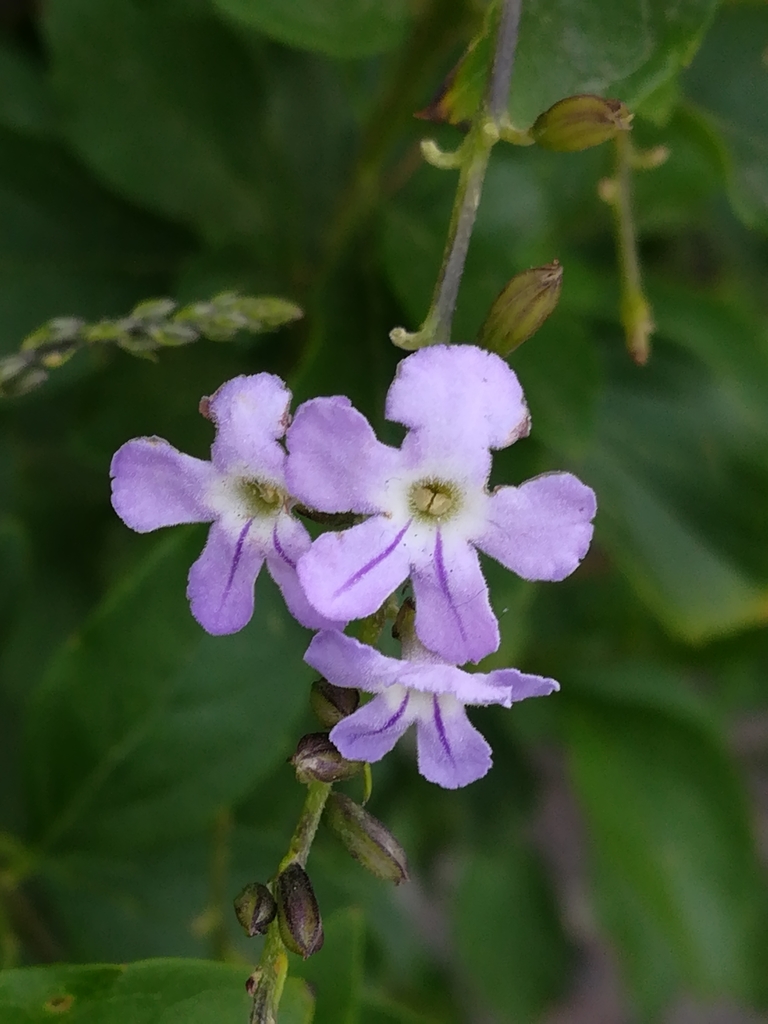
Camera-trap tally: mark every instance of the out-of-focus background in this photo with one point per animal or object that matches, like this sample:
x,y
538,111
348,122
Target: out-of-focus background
x,y
611,868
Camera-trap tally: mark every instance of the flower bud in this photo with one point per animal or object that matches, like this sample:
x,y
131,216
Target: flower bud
x,y
521,308
298,914
332,703
367,839
580,122
255,908
317,760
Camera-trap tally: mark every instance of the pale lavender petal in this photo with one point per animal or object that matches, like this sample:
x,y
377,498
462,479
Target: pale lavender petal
x,y
459,394
452,752
519,685
542,529
336,464
155,485
373,730
290,541
453,614
220,587
250,414
468,687
349,575
344,661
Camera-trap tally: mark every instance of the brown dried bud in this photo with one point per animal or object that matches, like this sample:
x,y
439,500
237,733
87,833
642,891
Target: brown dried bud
x,y
255,908
317,760
521,308
581,122
367,839
298,914
332,703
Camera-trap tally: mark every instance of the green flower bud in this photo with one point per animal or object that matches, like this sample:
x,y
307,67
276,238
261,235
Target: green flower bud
x,y
332,703
317,760
521,308
367,839
580,122
298,914
255,908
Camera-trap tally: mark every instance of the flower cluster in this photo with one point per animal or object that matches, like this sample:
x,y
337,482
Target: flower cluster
x,y
426,512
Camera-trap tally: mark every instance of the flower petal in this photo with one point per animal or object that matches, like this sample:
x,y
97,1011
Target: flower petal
x,y
250,414
373,730
220,587
542,529
452,752
290,541
453,614
336,463
350,574
460,395
155,485
344,661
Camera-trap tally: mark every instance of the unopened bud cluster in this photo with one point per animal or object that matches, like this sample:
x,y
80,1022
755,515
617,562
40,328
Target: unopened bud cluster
x,y
298,914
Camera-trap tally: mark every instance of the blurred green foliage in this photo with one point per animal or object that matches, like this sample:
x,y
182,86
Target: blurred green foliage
x,y
185,147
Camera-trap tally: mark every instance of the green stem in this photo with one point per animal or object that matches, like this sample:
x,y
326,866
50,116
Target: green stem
x,y
473,157
636,315
272,969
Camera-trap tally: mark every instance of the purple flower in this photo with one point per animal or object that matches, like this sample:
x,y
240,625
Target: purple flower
x,y
428,504
241,492
423,690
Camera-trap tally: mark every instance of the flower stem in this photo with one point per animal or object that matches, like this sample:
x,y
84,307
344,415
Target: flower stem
x,y
272,969
472,157
636,314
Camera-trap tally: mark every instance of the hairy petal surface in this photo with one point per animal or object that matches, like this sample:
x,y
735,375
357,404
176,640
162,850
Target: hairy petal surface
x,y
290,541
250,414
451,751
155,485
336,463
453,613
349,575
459,395
374,729
542,529
220,587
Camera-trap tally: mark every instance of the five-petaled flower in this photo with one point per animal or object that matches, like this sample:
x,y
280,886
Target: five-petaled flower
x,y
428,505
421,689
241,492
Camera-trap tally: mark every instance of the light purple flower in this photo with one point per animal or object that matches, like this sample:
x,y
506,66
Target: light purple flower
x,y
429,507
241,492
422,690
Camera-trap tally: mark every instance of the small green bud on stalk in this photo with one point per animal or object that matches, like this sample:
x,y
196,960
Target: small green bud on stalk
x,y
521,308
332,703
317,760
255,908
580,122
298,914
367,839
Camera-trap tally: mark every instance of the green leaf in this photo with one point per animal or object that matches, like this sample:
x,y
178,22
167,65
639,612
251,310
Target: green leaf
x,y
596,46
162,102
67,248
145,725
729,80
26,104
675,865
152,992
336,972
508,934
339,28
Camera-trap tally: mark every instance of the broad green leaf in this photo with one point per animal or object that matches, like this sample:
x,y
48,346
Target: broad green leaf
x,y
67,248
336,972
377,1009
339,28
145,725
161,100
628,50
675,866
152,992
509,939
728,80
26,104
